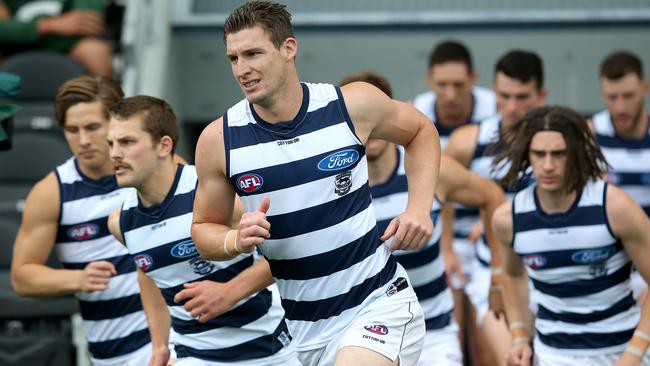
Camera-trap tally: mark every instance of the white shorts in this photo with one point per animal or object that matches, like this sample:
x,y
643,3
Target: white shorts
x,y
392,326
478,289
285,357
138,357
466,252
441,348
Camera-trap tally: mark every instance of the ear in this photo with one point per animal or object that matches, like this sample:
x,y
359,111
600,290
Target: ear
x,y
473,77
430,77
644,85
543,93
165,146
289,48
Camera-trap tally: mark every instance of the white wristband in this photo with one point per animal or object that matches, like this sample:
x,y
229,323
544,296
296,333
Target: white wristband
x,y
635,351
225,244
643,335
520,340
515,325
496,271
237,245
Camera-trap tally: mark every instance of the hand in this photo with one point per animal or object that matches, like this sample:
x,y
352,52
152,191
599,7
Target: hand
x,y
628,359
207,299
254,228
73,23
519,355
453,270
160,357
495,300
411,231
96,275
475,232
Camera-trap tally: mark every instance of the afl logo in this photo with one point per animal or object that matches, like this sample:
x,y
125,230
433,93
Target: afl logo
x,y
377,329
143,261
83,232
535,261
338,160
591,256
184,249
250,182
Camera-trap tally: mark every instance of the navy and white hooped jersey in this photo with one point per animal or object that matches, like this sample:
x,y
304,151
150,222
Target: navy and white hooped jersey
x,y
114,322
159,239
630,159
484,105
579,270
425,267
324,250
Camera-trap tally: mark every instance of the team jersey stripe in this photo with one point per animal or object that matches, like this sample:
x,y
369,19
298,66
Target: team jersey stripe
x,y
123,264
419,258
320,265
328,214
121,346
108,309
581,318
617,142
325,308
431,289
438,322
251,310
584,287
185,203
585,340
527,221
255,348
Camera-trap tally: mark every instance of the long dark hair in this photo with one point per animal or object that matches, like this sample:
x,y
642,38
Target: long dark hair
x,y
584,159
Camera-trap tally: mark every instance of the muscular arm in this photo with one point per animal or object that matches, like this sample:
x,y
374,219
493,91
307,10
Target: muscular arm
x,y
515,280
374,115
157,315
34,242
458,184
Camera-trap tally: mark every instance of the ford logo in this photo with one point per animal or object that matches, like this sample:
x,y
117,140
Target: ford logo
x,y
590,256
184,249
338,160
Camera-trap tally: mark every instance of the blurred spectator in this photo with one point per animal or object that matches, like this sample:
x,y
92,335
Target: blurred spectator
x,y
73,27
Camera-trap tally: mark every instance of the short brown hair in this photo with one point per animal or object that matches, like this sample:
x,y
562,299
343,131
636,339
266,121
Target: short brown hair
x,y
619,64
584,159
370,78
86,89
272,17
158,118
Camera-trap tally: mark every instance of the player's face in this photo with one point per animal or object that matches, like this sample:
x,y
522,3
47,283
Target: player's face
x,y
132,151
624,98
548,158
85,130
515,98
258,66
375,149
452,82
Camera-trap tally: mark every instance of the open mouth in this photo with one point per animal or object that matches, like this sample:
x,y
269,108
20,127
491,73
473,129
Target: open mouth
x,y
250,84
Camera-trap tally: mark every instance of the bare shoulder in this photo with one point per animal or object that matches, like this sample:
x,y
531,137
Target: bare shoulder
x,y
623,213
502,221
114,224
210,147
461,143
366,105
43,201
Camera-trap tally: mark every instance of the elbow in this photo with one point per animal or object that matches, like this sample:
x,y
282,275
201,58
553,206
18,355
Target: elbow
x,y
19,284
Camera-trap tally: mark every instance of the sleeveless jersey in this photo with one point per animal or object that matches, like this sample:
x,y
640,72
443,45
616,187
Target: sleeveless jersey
x,y
114,322
425,267
630,159
159,239
484,105
580,273
324,250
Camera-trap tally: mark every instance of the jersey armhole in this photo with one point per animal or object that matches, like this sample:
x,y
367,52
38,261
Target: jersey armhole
x,y
514,225
606,219
226,143
345,114
58,181
122,223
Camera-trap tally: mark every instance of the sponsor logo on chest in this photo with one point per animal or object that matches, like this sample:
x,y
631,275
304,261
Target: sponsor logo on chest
x,y
250,182
184,249
591,256
143,261
339,160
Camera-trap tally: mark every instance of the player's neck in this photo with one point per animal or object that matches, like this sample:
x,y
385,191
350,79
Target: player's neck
x,y
285,104
97,173
553,202
156,188
451,119
640,129
380,169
